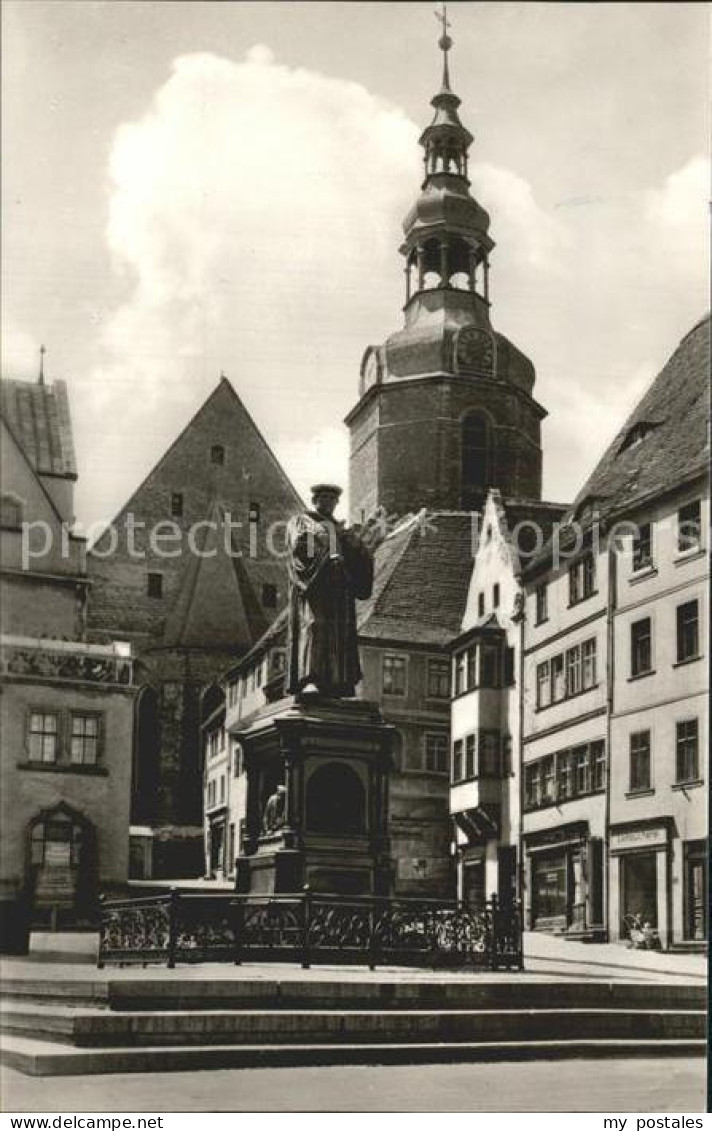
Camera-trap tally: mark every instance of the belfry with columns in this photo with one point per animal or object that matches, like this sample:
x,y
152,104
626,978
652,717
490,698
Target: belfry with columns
x,y
445,405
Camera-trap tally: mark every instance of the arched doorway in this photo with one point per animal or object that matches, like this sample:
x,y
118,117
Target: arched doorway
x,y
62,865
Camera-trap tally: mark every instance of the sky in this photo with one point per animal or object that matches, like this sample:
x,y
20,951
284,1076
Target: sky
x,y
195,188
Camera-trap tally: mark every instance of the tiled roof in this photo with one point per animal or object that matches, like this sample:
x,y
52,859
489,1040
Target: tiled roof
x,y
38,417
421,582
664,441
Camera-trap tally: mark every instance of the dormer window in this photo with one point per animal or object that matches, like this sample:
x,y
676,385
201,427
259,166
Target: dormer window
x,y
637,433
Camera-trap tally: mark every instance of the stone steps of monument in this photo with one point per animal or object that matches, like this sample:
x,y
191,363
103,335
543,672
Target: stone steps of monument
x,y
170,992
45,1058
103,1028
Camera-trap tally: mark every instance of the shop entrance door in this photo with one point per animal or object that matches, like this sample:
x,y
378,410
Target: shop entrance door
x,y
550,892
640,889
473,884
696,925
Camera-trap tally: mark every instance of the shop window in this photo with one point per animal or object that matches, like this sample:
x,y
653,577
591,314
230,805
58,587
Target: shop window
x,y
582,579
687,751
643,547
641,652
688,635
640,761
43,736
177,504
457,750
394,675
541,599
84,739
154,585
438,679
689,527
470,756
436,750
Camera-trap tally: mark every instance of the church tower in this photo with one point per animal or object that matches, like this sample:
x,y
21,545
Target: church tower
x,y
445,406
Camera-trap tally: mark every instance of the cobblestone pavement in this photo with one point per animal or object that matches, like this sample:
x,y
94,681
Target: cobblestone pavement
x,y
645,1085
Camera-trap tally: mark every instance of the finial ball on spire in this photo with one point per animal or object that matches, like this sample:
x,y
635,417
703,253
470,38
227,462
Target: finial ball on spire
x,y
444,43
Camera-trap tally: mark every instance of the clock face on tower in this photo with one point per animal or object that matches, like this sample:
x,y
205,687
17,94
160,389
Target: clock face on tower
x,y
474,353
370,370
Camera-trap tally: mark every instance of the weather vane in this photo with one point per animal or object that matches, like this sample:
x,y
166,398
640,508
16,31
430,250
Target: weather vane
x,y
445,41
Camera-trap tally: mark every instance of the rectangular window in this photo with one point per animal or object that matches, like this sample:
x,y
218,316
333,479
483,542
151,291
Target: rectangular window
x,y
471,674
548,775
564,776
236,756
222,788
641,652
543,684
495,595
582,773
457,760
506,755
177,504
480,604
470,756
558,679
217,455
490,760
460,662
542,603
532,785
588,663
438,679
42,738
231,848
582,579
573,671
689,527
154,585
394,675
643,547
84,740
688,635
687,751
639,761
489,657
508,668
598,765
253,514
436,748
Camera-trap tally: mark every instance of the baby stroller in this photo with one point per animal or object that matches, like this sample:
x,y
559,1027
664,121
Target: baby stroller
x,y
641,934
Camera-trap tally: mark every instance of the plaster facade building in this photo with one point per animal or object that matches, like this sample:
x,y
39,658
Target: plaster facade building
x,y
66,706
186,573
616,680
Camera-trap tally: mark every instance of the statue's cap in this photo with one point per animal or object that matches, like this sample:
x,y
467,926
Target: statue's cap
x,y
326,489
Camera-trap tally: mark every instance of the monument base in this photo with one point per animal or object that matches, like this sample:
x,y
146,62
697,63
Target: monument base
x,y
317,798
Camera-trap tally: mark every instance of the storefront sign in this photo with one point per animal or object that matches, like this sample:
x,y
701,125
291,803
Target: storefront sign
x,y
655,836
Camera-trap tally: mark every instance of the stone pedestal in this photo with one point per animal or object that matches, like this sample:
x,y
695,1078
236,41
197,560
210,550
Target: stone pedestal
x,y
328,825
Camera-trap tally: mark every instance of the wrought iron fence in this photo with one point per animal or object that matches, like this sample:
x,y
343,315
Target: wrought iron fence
x,y
310,928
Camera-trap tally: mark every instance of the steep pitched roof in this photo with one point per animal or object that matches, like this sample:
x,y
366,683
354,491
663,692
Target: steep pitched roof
x,y
196,619
37,414
664,441
421,582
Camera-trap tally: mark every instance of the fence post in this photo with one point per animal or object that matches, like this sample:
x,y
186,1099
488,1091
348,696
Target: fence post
x,y
494,931
372,919
100,951
306,925
172,927
238,923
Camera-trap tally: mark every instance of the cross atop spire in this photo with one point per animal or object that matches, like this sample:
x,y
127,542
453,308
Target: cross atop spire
x,y
444,43
43,351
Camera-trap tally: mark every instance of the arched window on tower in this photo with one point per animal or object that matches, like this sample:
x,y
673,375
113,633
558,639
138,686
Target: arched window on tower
x,y
476,457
